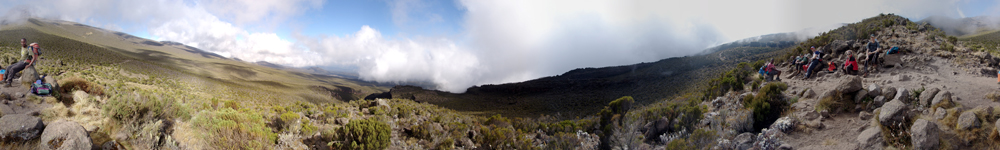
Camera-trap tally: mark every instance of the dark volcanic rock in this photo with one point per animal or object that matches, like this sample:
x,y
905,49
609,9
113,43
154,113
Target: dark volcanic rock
x,y
20,127
383,95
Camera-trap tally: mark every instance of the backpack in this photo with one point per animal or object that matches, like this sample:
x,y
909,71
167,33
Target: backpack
x,y
893,50
39,88
761,71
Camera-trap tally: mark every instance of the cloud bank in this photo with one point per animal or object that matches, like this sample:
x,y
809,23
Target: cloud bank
x,y
499,41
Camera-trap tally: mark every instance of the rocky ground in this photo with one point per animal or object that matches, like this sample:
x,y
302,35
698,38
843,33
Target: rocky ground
x,y
954,110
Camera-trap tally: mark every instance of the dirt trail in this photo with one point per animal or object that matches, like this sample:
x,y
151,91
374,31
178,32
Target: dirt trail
x,y
841,130
19,103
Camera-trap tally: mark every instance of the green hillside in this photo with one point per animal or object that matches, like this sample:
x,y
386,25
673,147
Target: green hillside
x,y
116,59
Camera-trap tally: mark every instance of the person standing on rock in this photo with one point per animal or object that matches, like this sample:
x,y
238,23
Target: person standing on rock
x,y
17,67
872,55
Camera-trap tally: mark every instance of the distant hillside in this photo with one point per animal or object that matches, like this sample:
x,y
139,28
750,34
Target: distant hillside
x,y
584,91
73,47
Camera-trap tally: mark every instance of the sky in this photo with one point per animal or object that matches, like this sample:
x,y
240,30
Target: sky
x,y
456,44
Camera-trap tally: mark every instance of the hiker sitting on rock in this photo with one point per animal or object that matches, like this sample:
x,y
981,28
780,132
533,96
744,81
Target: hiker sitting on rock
x,y
872,54
813,62
851,65
799,62
17,67
772,72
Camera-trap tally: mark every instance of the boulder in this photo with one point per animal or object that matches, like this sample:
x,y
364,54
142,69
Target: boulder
x,y
889,92
744,141
927,96
874,90
809,93
656,128
967,120
861,95
871,138
64,134
29,75
940,113
878,101
849,85
902,95
20,127
809,115
943,96
893,60
892,112
924,135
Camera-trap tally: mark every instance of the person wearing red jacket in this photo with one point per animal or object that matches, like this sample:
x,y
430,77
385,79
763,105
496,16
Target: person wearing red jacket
x,y
851,65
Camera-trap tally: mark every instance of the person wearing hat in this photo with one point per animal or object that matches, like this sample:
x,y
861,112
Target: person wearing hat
x,y
872,54
17,67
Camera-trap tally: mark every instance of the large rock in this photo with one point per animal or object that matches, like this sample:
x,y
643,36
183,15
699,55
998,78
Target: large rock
x,y
20,127
944,96
849,85
891,60
744,141
903,95
656,128
861,95
29,75
927,96
967,120
871,138
889,92
878,101
64,134
809,93
892,112
874,90
924,135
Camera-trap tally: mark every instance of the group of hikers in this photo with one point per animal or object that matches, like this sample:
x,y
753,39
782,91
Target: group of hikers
x,y
28,57
810,61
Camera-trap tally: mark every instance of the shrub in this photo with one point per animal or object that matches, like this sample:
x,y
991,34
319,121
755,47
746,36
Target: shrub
x,y
766,104
308,129
231,129
365,134
288,119
71,84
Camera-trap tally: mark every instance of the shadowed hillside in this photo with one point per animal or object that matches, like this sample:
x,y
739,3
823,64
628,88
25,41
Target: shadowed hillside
x,y
584,91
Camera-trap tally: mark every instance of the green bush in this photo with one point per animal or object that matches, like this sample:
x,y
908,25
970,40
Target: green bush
x,y
365,134
308,128
231,129
767,103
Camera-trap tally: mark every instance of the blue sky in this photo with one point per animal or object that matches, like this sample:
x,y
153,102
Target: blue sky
x,y
459,43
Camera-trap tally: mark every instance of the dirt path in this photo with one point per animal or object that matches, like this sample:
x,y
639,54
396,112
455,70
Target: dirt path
x,y
19,102
841,130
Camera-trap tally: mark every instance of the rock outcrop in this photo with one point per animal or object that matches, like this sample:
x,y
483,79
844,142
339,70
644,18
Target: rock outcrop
x,y
64,134
850,85
967,121
903,95
20,127
871,138
943,96
889,92
927,96
924,135
892,112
